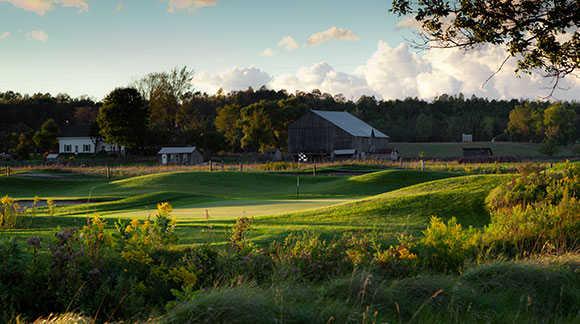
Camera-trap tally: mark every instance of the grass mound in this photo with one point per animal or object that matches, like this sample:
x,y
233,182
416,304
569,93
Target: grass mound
x,y
408,208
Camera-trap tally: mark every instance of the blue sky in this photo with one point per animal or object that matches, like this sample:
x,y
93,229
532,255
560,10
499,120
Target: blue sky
x,y
91,46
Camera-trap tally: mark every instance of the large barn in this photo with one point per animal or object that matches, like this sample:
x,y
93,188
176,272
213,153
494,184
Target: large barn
x,y
334,134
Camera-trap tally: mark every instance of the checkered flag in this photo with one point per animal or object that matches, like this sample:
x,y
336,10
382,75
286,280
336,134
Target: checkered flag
x,y
302,157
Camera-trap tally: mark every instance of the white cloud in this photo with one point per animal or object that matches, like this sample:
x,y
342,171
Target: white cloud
x,y
189,5
233,79
408,23
288,43
4,35
330,34
82,5
41,7
398,72
325,78
37,35
268,52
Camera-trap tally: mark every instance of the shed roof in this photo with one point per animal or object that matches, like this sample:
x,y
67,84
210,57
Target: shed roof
x,y
350,123
177,150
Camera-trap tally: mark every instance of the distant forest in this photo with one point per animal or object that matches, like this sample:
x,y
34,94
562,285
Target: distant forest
x,y
257,120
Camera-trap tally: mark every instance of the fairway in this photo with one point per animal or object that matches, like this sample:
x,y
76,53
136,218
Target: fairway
x,y
206,204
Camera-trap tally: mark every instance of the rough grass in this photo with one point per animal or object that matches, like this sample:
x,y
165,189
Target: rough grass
x,y
505,292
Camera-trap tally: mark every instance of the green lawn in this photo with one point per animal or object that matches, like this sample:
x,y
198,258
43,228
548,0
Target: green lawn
x,y
206,204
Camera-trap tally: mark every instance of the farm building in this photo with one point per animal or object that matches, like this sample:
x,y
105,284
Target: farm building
x,y
79,140
334,134
186,155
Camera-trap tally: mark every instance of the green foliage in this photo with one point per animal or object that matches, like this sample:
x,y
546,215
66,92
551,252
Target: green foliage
x,y
122,117
536,212
46,138
9,213
536,185
559,122
24,146
238,237
308,256
446,246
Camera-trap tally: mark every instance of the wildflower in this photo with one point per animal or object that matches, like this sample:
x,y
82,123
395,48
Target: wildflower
x,y
34,241
164,208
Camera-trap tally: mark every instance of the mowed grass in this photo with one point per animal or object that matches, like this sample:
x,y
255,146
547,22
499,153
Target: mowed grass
x,y
206,204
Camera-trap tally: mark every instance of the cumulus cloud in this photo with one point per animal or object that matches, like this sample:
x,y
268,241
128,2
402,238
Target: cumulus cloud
x,y
268,52
41,7
233,79
288,43
189,5
37,35
325,78
332,33
408,23
398,72
4,35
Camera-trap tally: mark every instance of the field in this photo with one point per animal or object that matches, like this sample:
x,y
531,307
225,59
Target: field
x,y
328,250
453,150
205,204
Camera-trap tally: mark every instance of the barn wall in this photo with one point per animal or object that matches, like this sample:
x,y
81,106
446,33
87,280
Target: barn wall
x,y
312,134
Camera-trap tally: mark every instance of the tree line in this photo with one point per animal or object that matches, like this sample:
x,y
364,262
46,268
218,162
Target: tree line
x,y
163,109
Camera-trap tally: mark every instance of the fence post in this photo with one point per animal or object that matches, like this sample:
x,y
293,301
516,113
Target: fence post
x,y
241,166
314,170
422,165
298,187
210,166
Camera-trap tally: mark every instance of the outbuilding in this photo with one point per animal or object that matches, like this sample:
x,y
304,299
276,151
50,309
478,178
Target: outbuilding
x,y
334,134
184,155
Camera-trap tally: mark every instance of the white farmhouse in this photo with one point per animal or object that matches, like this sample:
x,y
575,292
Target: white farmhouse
x,y
78,140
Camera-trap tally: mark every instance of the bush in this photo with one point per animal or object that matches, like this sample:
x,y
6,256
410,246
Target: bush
x,y
446,246
9,212
310,257
538,211
537,186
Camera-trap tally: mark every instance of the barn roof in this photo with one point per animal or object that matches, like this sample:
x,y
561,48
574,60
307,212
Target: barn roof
x,y
350,123
177,150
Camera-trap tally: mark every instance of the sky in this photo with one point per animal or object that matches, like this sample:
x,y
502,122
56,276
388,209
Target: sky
x,y
89,47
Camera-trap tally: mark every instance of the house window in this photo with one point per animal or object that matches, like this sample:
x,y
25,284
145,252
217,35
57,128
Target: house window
x,y
68,148
86,148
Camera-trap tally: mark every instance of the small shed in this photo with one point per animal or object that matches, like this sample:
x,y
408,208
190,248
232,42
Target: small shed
x,y
185,155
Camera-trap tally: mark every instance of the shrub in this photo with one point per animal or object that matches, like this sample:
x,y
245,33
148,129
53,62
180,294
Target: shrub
x,y
538,211
537,186
541,227
238,236
446,246
9,212
310,257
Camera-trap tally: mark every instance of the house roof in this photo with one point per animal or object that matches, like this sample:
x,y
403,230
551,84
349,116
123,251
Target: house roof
x,y
177,150
76,131
350,123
